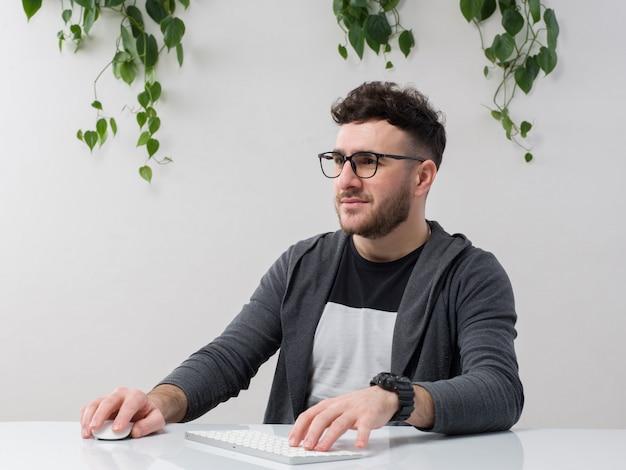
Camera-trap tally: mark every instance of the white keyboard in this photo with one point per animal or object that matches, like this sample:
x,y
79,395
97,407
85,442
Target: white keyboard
x,y
266,446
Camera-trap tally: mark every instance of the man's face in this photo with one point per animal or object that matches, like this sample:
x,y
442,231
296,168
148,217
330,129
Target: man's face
x,y
373,207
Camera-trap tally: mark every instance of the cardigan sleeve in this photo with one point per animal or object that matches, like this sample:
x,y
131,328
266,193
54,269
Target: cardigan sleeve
x,y
225,366
484,393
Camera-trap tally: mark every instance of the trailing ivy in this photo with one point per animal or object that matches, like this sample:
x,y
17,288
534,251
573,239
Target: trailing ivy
x,y
136,57
372,22
526,47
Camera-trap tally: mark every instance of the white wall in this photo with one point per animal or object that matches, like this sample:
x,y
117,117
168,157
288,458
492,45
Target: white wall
x,y
106,280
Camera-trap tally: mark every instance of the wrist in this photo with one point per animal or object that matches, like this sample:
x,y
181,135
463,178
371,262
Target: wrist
x,y
403,388
171,401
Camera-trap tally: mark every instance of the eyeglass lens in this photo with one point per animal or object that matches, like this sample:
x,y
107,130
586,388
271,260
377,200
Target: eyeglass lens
x,y
364,164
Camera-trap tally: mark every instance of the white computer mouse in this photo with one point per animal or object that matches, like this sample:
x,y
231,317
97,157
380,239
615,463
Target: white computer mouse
x,y
106,433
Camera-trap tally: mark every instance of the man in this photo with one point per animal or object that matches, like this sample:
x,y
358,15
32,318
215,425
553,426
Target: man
x,y
391,291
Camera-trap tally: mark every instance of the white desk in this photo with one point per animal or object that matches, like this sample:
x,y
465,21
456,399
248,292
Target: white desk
x,y
58,445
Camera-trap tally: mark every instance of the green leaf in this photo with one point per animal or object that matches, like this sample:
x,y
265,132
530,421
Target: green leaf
x,y
173,30
552,26
154,124
128,71
357,40
66,15
97,105
89,18
180,55
471,8
532,66
31,7
512,21
77,32
144,99
136,20
503,46
547,59
113,3
156,10
338,7
127,41
154,90
489,7
528,157
406,42
152,146
113,124
389,65
497,115
389,5
124,67
507,5
486,71
490,54
535,9
373,45
101,129
524,79
377,28
91,139
79,134
143,138
141,118
507,123
343,52
525,128
102,132
184,3
146,173
148,50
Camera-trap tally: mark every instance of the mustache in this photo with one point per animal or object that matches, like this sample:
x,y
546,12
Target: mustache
x,y
353,194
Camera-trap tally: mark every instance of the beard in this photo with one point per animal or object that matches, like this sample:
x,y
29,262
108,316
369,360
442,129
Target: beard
x,y
390,213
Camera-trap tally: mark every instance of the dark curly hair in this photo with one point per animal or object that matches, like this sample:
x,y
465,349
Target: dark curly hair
x,y
405,108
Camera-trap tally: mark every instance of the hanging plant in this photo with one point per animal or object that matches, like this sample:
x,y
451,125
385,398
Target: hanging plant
x,y
525,47
372,22
136,55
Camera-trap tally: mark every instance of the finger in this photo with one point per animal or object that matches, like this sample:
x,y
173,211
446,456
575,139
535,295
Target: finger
x,y
362,437
318,426
133,402
86,417
107,408
336,429
301,427
152,423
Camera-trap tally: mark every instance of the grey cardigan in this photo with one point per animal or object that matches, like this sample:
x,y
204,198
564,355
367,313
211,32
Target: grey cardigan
x,y
454,335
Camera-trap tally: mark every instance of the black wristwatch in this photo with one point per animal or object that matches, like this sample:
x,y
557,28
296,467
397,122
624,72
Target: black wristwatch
x,y
403,387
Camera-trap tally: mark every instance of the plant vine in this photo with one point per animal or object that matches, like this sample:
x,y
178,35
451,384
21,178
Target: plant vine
x,y
518,54
136,56
525,47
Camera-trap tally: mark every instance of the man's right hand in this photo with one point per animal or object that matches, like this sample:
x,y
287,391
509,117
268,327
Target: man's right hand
x,y
149,412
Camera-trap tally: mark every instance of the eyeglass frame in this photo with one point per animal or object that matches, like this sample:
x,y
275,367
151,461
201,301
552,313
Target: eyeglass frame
x,y
353,166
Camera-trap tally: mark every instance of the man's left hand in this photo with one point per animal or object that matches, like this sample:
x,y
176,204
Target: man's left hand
x,y
363,410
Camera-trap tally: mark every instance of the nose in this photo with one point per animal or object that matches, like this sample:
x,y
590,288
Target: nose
x,y
348,178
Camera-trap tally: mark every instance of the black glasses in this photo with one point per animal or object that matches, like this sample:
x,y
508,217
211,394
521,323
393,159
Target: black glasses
x,y
364,164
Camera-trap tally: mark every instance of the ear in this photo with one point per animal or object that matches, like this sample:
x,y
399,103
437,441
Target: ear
x,y
424,178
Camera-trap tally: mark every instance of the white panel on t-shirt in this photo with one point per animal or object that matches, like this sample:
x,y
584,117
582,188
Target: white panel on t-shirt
x,y
351,346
